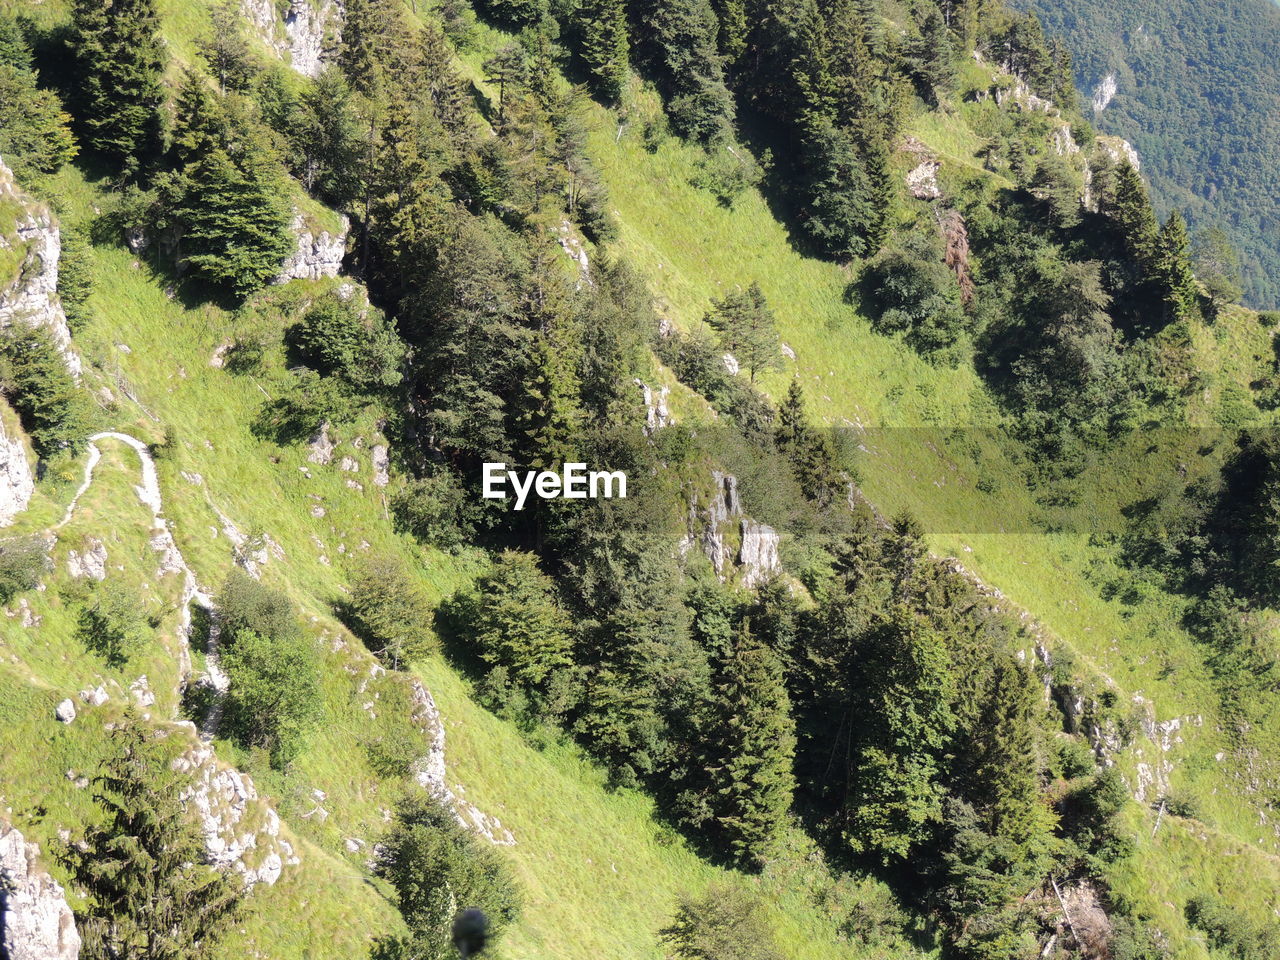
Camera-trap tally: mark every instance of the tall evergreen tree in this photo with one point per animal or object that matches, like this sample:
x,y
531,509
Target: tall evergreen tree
x,y
690,67
150,892
606,46
120,66
1172,265
747,751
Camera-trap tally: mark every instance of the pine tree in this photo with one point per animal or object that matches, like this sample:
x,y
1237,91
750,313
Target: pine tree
x,y
517,622
1172,266
150,892
234,218
904,692
1129,207
605,46
812,459
226,48
747,328
748,751
120,62
690,67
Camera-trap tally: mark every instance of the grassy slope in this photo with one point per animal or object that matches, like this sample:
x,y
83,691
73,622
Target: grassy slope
x,y
692,249
601,874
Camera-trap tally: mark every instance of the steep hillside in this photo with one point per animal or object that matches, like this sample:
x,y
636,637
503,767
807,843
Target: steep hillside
x,y
926,627
1155,72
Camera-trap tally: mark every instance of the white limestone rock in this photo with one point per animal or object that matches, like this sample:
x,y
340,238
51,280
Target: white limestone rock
x,y
35,921
922,180
65,711
92,562
17,483
316,255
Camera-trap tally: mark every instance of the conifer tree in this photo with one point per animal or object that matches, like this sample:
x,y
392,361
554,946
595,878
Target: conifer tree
x,y
748,749
1172,265
905,693
1130,208
691,69
605,45
120,62
150,892
234,218
808,451
747,328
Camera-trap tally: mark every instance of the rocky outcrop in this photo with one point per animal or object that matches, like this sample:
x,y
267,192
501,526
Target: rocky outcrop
x,y
922,180
16,480
429,770
1104,93
756,558
90,562
318,253
31,296
305,30
572,245
35,921
241,831
656,413
381,465
1120,150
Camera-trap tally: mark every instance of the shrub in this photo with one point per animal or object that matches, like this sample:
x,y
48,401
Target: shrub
x,y
391,611
246,606
335,337
275,691
436,510
724,924
22,562
438,868
113,624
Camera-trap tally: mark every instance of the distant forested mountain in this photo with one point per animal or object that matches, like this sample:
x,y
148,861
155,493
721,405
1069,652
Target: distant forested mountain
x,y
1196,93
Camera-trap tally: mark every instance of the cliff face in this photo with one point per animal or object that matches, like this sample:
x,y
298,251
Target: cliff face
x,y
16,481
307,30
35,921
31,242
318,254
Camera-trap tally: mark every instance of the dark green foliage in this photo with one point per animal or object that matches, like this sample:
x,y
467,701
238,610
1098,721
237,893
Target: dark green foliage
x,y
810,452
741,792
35,132
1217,265
436,509
336,338
1231,932
517,624
274,695
35,380
23,561
119,65
234,217
437,868
747,328
325,131
1221,174
142,866
1172,266
246,606
912,292
683,35
391,611
113,624
845,191
605,49
76,275
725,923
929,59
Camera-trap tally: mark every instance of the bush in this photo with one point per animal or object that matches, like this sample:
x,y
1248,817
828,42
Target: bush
x,y
335,337
22,562
391,611
724,924
113,624
246,606
1229,931
436,509
912,292
275,691
54,410
437,868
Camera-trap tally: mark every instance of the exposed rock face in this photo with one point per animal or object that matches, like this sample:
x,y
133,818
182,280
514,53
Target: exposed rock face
x,y
381,465
35,921
731,364
91,563
16,480
32,296
1064,143
317,255
1120,150
656,413
573,248
320,446
307,31
241,832
758,555
429,770
922,180
1104,93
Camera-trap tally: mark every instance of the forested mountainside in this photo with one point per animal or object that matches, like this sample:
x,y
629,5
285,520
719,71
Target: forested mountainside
x,y
1192,85
939,616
